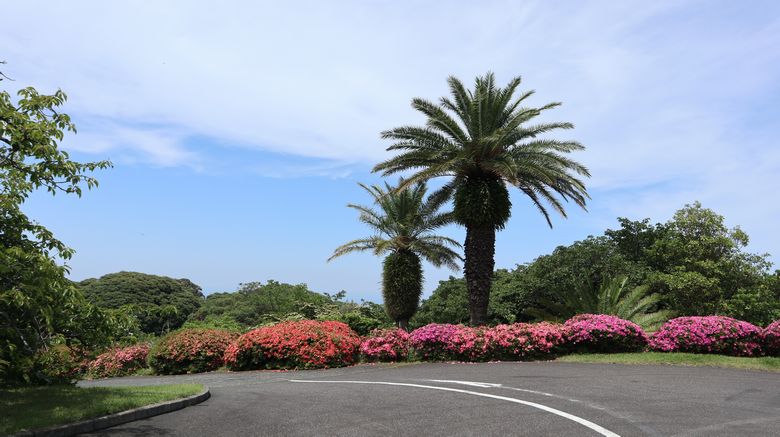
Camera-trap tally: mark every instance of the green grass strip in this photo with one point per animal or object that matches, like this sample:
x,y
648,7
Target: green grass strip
x,y
40,407
678,359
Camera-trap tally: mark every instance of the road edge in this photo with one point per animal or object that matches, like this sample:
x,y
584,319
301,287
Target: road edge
x,y
115,419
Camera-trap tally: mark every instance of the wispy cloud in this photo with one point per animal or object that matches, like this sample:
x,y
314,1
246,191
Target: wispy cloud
x,y
674,100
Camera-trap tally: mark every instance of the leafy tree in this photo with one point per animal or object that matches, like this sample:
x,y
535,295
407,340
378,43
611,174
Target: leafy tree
x,y
699,264
482,140
449,302
37,302
159,303
404,225
256,303
613,297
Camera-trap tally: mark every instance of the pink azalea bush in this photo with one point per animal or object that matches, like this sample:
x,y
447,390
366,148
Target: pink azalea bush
x,y
385,345
448,342
190,351
119,361
772,339
708,335
304,344
523,340
603,333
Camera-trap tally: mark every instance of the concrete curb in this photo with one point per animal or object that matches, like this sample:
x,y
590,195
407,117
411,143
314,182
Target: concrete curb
x,y
110,420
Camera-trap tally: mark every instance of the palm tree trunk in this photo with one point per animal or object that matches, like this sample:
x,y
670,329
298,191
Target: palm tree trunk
x,y
478,268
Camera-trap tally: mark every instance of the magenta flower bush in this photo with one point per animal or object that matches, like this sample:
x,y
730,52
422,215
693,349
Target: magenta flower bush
x,y
772,339
603,333
442,342
708,335
523,340
385,345
119,361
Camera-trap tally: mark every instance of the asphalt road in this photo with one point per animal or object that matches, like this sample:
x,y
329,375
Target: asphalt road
x,y
432,399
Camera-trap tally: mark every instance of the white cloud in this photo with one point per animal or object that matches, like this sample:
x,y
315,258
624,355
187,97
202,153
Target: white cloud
x,y
665,95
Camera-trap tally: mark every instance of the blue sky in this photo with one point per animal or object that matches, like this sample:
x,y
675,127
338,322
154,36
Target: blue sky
x,y
239,130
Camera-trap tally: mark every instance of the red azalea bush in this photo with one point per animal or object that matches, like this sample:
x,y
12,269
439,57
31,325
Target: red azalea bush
x,y
119,361
772,339
304,344
523,340
603,333
448,342
709,335
191,351
385,345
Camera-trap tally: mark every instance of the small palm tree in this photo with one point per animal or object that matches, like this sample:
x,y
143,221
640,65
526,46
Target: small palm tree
x,y
482,141
612,297
403,223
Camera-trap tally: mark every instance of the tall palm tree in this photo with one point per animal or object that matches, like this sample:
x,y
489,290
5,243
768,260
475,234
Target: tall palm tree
x,y
404,225
483,141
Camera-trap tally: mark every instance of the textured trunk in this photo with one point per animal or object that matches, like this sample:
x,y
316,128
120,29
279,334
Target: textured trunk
x,y
404,324
478,269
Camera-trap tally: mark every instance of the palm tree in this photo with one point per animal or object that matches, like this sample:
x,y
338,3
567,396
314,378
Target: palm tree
x,y
403,225
612,297
482,141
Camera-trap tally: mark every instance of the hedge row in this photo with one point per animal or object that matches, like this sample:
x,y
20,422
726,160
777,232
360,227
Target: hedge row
x,y
315,344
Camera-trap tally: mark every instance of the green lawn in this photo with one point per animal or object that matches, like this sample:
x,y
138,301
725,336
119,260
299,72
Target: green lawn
x,y
678,359
38,407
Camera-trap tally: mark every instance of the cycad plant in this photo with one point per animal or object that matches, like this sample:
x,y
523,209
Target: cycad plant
x,y
483,140
403,223
612,297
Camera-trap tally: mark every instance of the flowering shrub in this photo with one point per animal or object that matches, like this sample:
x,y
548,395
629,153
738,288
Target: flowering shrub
x,y
448,342
119,361
386,345
603,333
59,364
710,334
191,351
303,344
523,340
772,338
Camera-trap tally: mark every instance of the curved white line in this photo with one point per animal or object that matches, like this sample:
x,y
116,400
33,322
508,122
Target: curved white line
x,y
598,428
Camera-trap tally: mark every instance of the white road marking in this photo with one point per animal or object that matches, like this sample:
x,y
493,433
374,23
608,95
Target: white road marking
x,y
598,428
494,385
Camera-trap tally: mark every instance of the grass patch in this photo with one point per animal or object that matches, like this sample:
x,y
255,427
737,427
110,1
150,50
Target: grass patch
x,y
678,359
39,407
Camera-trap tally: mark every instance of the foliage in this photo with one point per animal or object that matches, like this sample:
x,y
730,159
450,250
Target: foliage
x,y
302,344
523,340
711,334
403,226
40,407
119,361
35,297
190,351
256,303
361,318
226,323
612,298
699,264
772,339
483,141
159,303
58,364
438,342
603,333
385,345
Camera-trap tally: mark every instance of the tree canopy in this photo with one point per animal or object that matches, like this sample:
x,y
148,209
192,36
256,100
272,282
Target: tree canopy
x,y
159,303
38,305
